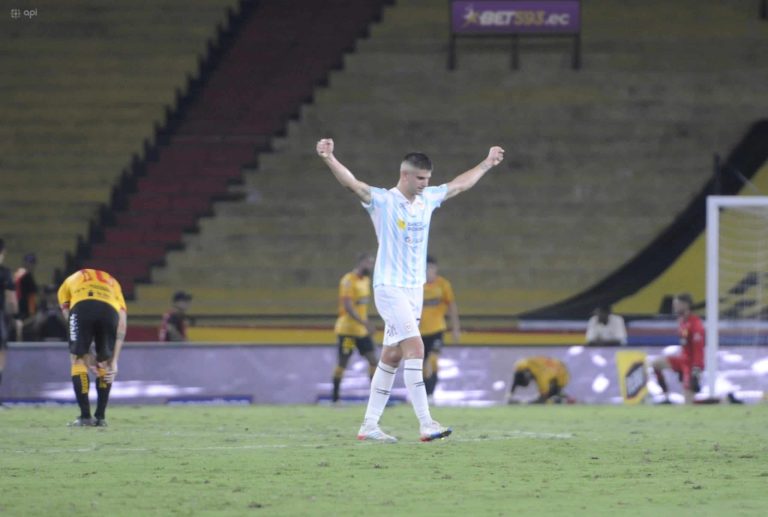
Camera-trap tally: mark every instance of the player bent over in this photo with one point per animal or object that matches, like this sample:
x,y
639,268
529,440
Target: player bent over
x,y
690,362
92,302
353,329
550,375
401,218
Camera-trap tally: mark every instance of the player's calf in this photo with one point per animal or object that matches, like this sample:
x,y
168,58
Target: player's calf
x,y
103,387
81,386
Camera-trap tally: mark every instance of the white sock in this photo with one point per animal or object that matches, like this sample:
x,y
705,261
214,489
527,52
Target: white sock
x,y
381,385
414,382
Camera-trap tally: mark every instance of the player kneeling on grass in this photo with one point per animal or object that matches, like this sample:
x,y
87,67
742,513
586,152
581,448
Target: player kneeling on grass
x,y
690,362
550,375
92,302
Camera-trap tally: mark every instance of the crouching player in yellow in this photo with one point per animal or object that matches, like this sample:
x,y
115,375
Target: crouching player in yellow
x,y
93,304
353,328
438,300
550,375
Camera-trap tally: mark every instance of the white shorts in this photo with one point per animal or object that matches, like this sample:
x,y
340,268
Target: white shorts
x,y
400,308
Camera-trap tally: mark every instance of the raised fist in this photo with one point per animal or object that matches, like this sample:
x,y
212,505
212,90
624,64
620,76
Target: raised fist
x,y
325,147
495,156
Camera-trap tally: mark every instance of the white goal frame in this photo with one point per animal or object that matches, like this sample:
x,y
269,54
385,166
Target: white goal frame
x,y
714,204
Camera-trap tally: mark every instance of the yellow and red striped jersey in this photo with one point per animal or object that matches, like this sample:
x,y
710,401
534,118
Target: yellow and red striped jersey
x,y
91,284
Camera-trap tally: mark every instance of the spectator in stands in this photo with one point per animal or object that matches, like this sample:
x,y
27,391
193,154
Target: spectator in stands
x,y
689,363
8,306
605,328
550,375
174,325
49,323
26,294
438,301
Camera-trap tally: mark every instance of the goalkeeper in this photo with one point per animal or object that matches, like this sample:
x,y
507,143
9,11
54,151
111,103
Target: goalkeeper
x,y
689,364
550,375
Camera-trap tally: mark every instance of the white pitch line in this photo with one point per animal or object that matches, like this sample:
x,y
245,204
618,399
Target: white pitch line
x,y
508,435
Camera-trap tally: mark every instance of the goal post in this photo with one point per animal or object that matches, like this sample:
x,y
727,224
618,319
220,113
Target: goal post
x,y
737,266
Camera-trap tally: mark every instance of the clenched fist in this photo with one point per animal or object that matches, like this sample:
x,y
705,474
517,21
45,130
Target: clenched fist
x,y
495,156
325,147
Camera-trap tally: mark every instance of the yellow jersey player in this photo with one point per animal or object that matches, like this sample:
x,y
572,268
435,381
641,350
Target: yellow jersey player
x,y
353,328
92,302
550,375
438,301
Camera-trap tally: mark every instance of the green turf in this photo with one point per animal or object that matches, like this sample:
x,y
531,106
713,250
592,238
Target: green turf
x,y
298,460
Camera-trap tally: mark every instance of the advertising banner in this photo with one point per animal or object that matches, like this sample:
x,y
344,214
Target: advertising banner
x,y
516,17
244,374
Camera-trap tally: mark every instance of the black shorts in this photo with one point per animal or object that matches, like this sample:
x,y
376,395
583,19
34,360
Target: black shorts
x,y
92,321
347,345
432,343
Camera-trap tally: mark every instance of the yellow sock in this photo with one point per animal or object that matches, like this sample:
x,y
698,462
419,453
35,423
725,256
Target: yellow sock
x,y
81,371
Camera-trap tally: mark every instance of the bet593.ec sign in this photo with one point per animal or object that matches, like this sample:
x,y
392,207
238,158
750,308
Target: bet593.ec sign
x,y
515,18
510,16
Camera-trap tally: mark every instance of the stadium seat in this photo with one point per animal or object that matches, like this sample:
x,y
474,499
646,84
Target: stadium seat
x,y
85,85
599,161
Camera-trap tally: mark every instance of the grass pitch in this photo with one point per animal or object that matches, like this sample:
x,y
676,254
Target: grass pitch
x,y
299,460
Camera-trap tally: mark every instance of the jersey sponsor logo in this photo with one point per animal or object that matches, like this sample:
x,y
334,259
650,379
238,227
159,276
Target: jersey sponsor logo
x,y
414,240
401,223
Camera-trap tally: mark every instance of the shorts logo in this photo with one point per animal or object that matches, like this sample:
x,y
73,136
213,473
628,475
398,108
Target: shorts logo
x,y
391,332
408,327
73,327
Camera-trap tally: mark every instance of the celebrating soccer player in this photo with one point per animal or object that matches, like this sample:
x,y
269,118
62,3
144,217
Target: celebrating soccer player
x,y
401,217
92,301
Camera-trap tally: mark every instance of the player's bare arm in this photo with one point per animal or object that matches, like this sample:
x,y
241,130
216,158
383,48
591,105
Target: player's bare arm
x,y
111,365
453,311
467,180
342,174
350,308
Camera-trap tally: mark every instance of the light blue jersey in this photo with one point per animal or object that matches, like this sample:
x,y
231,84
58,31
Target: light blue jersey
x,y
402,229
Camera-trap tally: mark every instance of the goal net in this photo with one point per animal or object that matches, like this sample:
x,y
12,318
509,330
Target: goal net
x,y
737,282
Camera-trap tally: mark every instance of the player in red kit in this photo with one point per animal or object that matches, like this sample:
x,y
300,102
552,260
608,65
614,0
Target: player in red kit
x,y
690,362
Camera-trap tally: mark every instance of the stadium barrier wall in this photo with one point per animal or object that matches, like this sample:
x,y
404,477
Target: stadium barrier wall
x,y
287,374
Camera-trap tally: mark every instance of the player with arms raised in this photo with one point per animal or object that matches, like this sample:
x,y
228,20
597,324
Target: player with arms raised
x,y
401,218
